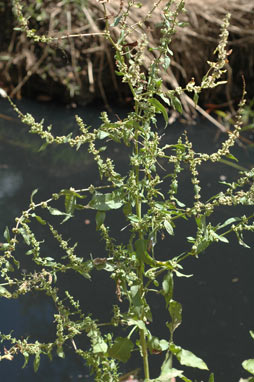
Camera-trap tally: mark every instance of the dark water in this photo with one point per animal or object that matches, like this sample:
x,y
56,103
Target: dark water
x,y
217,301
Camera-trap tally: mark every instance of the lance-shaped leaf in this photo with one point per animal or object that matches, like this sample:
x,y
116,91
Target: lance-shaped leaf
x,y
176,103
175,310
169,227
36,362
7,234
99,218
167,287
187,358
159,108
70,202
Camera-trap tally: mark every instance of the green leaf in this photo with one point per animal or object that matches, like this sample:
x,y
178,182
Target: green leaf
x,y
231,156
127,209
201,222
60,352
121,37
39,219
203,245
102,134
176,103
121,349
166,62
26,356
159,108
7,234
195,98
4,292
36,363
155,344
164,98
138,323
32,194
211,378
248,365
167,287
169,227
116,21
232,164
169,375
100,347
106,202
99,218
43,147
252,334
175,310
180,204
187,358
136,299
141,248
228,222
215,236
70,202
25,235
55,211
120,74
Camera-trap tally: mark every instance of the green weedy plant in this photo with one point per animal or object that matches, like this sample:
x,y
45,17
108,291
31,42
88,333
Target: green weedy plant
x,y
148,212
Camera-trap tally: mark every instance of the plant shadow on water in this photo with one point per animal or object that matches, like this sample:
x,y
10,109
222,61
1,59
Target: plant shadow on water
x,y
217,300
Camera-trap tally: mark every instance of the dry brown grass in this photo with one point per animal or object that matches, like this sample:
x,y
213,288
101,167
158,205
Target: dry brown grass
x,y
192,46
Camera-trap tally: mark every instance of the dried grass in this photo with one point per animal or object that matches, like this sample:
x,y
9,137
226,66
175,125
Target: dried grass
x,y
192,46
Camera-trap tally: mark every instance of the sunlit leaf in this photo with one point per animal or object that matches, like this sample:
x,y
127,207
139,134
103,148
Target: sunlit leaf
x,y
70,202
231,156
228,222
169,375
36,362
106,202
140,324
32,194
169,227
39,219
187,358
167,287
100,347
166,62
60,352
7,234
26,356
55,211
4,292
25,235
102,134
248,365
175,310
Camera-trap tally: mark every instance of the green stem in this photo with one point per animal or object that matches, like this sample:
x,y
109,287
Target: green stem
x,y
144,354
142,335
